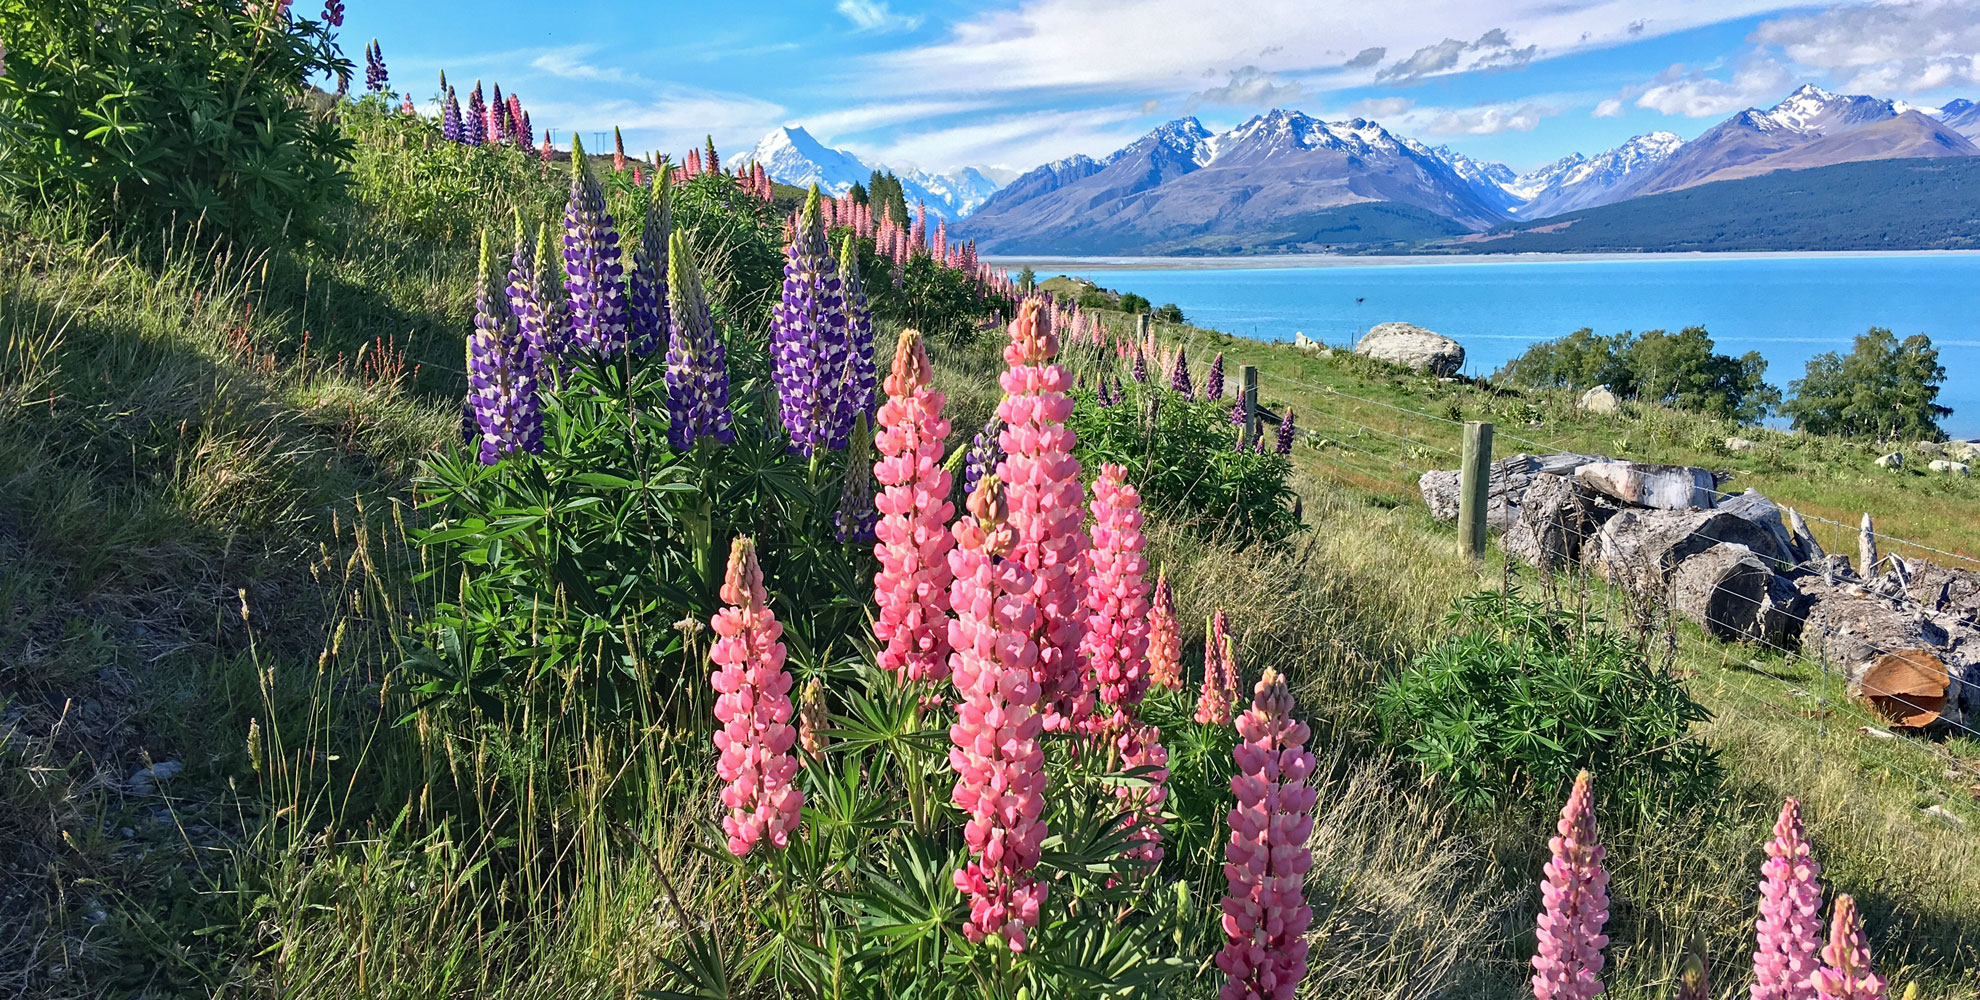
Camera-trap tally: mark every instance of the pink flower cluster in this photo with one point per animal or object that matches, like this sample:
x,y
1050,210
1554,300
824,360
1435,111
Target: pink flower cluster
x,y
1164,638
1790,925
1220,673
1576,899
1266,860
1041,483
912,587
1141,746
1845,973
754,708
1116,643
999,765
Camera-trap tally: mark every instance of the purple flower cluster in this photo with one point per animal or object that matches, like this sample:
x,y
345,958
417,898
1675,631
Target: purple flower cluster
x,y
985,451
474,128
450,118
1140,366
1286,432
697,363
1179,375
333,13
1106,398
646,286
858,397
1213,386
591,262
375,79
808,340
502,383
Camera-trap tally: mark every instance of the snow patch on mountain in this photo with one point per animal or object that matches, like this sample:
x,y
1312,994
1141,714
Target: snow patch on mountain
x,y
790,155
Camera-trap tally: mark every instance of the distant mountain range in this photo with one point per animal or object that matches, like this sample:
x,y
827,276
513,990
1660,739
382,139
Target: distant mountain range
x,y
790,155
1284,181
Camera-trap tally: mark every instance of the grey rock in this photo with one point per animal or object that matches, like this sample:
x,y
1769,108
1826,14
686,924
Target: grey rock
x,y
1412,346
144,781
1894,460
1754,507
1305,343
1665,487
1600,401
1739,444
1950,467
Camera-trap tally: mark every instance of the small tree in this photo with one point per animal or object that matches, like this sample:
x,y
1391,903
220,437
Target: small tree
x,y
1882,389
1027,280
1133,303
1682,370
1170,313
1581,360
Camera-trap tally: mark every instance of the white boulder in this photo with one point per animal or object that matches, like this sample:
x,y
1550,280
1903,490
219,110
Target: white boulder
x,y
1601,401
1413,347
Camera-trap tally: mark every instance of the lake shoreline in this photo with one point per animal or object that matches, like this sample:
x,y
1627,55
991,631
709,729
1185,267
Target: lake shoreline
x,y
1042,262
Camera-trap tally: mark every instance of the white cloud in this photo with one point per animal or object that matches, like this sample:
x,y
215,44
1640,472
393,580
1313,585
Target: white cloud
x,y
1018,141
1879,48
1681,90
1378,107
1485,119
867,117
569,63
873,15
1249,87
1609,108
1493,50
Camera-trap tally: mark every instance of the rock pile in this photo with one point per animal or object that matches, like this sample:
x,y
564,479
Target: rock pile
x,y
1905,633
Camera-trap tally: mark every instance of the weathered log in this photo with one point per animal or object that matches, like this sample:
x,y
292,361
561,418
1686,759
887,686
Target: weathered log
x,y
1781,613
1510,479
1866,546
1940,589
1665,487
1640,549
1554,520
1804,539
1914,668
1724,589
1761,511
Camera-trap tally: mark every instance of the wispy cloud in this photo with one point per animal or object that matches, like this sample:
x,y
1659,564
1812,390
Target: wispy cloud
x,y
1885,47
873,15
570,64
1695,93
674,119
1249,86
867,117
1493,50
1016,141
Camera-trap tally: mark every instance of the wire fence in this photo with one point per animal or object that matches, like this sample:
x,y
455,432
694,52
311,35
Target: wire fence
x,y
1800,689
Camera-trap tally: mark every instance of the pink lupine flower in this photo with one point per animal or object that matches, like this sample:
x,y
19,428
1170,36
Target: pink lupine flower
x,y
1266,860
1141,746
1845,973
1216,701
1164,638
754,708
1576,897
1790,925
1000,775
1042,488
1116,643
912,587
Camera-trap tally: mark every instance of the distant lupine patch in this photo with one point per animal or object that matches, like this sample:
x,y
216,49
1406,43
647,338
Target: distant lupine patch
x,y
592,271
646,286
697,362
808,339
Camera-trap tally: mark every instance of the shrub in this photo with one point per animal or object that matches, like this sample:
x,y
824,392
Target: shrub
x,y
1523,698
1882,389
1132,303
1674,369
156,108
1170,313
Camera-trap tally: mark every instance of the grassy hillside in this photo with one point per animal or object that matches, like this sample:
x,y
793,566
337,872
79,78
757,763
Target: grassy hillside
x,y
206,465
1918,204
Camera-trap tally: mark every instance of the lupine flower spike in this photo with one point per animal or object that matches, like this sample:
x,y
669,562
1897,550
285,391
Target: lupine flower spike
x,y
1266,860
812,719
591,263
808,337
1286,433
1041,482
523,300
1141,747
1790,925
857,397
1846,973
553,308
1179,375
375,78
1164,639
1116,643
618,151
1213,701
501,387
1575,895
646,287
754,707
474,128
984,453
450,118
854,521
1213,386
1000,777
911,590
697,362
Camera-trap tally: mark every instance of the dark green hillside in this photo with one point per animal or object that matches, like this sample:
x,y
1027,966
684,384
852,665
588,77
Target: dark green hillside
x,y
1920,204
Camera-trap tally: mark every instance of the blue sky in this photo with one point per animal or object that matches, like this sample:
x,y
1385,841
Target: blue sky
x,y
941,84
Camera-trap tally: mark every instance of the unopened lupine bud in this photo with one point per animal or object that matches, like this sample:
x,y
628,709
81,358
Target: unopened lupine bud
x,y
754,707
646,286
1164,638
812,718
853,523
1846,973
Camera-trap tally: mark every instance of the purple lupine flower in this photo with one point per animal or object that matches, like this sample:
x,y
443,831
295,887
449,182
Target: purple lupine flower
x,y
474,128
450,118
522,299
1213,386
854,521
985,451
592,270
375,78
1140,366
808,341
1238,421
527,135
1286,431
551,336
1258,445
1179,375
1105,398
697,363
499,111
646,286
333,13
503,391
857,397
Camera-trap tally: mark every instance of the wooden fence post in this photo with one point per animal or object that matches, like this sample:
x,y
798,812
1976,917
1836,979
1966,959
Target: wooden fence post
x,y
1248,380
1141,327
1474,487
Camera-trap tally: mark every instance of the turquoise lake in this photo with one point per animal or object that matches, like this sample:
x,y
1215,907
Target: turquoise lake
x,y
1787,307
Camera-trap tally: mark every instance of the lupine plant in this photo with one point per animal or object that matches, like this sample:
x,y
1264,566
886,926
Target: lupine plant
x,y
1575,897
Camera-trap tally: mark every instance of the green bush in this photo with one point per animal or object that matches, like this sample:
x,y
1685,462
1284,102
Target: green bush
x,y
155,109
1523,697
1674,369
1180,454
1882,389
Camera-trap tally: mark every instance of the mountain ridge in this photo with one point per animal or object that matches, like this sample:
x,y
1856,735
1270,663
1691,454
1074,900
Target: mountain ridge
x,y
791,155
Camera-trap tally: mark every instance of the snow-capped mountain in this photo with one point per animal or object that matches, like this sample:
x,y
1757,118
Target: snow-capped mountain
x,y
1607,177
1491,180
791,156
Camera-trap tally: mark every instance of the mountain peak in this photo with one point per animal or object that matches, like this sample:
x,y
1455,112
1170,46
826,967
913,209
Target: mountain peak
x,y
791,155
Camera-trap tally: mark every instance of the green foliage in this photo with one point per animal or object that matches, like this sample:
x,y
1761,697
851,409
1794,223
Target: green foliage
x,y
1026,280
1132,303
1523,697
1181,455
1673,369
150,110
1882,389
1169,312
426,187
884,192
